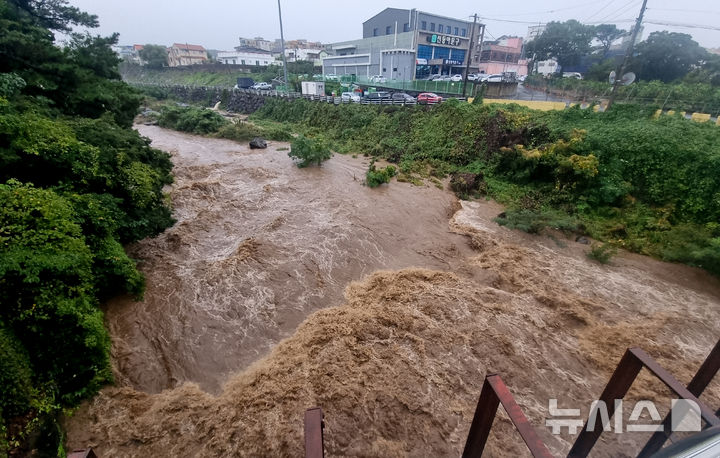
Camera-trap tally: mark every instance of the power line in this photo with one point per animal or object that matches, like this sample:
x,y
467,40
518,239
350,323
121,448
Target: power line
x,y
600,10
626,7
684,11
554,10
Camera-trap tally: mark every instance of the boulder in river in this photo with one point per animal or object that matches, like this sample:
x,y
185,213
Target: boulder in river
x,y
258,142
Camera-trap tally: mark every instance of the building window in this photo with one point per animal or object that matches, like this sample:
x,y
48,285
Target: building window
x,y
406,27
457,31
440,28
233,61
242,62
458,54
463,32
442,53
388,30
257,62
424,52
447,29
375,32
423,25
432,26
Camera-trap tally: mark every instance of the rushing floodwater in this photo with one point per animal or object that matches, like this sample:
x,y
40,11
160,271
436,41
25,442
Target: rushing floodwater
x,y
260,244
282,288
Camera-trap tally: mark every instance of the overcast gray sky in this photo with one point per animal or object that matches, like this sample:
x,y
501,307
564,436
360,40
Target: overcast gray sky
x,y
217,24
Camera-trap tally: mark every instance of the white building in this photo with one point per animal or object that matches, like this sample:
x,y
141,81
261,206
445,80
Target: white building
x,y
313,55
546,67
248,56
534,31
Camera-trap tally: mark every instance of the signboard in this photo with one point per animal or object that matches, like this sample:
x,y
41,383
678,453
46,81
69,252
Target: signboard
x,y
451,62
421,61
443,40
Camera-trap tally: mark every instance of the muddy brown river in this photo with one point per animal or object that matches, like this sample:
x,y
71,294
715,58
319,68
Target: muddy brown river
x,y
282,288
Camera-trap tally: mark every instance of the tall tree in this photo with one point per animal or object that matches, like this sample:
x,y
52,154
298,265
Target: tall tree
x,y
565,41
708,72
54,14
155,56
667,56
607,34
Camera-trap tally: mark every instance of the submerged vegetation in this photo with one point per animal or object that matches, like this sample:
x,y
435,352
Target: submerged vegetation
x,y
76,183
624,177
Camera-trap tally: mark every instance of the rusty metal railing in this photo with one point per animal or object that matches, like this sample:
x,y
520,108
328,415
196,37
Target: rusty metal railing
x,y
495,392
625,373
697,385
314,426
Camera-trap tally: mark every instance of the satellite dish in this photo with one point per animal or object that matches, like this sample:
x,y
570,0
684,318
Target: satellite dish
x,y
628,78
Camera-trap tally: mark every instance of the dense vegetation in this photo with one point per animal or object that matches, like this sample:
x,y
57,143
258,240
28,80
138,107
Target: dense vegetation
x,y
645,184
75,184
685,96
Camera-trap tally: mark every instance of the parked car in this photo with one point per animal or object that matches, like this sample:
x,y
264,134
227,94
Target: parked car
x,y
575,75
474,77
332,78
244,83
403,97
434,77
521,78
262,86
350,97
378,79
456,77
429,97
495,78
377,96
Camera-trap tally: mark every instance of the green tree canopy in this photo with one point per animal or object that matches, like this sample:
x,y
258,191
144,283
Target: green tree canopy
x,y
155,56
53,14
565,41
667,56
607,34
709,72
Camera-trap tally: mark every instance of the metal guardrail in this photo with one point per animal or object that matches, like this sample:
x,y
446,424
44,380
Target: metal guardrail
x,y
495,392
314,425
634,360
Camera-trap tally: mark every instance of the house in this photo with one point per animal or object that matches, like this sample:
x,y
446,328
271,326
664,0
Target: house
x,y
244,55
186,54
503,55
128,53
257,42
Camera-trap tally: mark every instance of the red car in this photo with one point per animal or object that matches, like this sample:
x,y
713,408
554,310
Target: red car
x,y
429,97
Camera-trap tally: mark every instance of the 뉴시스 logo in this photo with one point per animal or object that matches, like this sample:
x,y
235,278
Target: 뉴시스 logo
x,y
684,414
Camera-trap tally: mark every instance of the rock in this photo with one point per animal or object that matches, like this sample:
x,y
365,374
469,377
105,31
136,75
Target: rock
x,y
582,239
258,142
502,215
465,182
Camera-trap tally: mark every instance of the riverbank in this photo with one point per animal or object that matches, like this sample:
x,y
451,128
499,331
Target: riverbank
x,y
282,288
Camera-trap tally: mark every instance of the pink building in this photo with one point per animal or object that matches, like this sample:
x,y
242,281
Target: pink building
x,y
503,55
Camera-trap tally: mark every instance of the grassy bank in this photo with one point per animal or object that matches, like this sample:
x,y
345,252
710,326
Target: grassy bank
x,y
648,185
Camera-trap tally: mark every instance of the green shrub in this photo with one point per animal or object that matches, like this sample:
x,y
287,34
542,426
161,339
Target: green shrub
x,y
602,252
191,119
15,377
375,178
534,222
309,151
240,132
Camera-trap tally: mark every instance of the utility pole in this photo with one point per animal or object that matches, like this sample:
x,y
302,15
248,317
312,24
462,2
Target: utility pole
x,y
282,44
626,59
468,58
